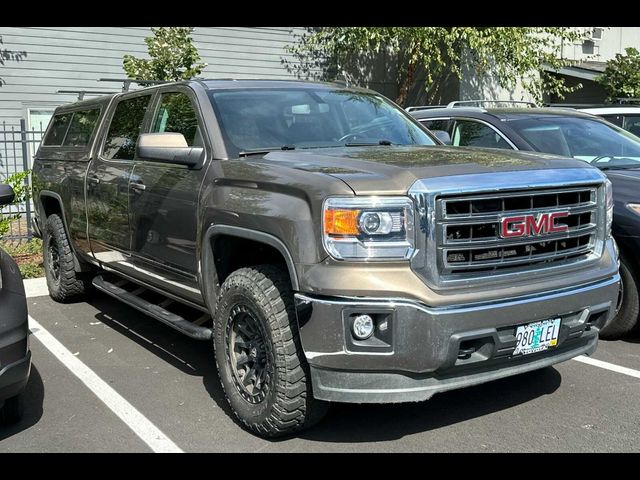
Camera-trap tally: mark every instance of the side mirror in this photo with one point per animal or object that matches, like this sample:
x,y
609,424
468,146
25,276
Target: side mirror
x,y
6,194
443,136
168,147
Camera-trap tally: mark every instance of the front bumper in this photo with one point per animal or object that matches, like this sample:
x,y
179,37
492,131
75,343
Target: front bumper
x,y
15,357
418,351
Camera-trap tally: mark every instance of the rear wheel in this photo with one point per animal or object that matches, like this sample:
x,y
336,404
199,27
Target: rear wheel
x,y
65,284
260,360
12,410
628,305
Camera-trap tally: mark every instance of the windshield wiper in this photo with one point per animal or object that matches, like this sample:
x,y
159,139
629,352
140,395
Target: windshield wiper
x,y
264,151
369,144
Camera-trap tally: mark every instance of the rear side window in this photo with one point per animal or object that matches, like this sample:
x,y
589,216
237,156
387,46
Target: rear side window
x,y
443,124
125,128
176,114
72,129
59,126
81,128
468,133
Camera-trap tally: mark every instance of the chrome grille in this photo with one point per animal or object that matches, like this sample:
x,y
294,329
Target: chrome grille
x,y
468,229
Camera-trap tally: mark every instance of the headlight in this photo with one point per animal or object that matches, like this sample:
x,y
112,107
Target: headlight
x,y
368,228
634,207
608,202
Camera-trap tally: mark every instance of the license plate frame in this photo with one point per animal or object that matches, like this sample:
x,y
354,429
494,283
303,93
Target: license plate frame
x,y
537,336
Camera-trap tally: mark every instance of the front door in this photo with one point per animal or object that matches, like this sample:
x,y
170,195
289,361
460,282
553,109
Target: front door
x,y
108,182
164,203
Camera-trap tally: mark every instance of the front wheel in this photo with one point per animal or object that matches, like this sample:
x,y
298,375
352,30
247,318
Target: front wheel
x,y
260,360
64,283
628,305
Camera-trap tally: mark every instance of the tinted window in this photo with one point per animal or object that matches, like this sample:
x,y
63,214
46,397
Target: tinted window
x,y
468,133
602,144
176,114
615,119
437,124
125,128
58,130
632,124
82,126
255,119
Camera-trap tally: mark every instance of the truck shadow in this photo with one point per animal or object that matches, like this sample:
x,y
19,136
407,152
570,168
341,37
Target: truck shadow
x,y
192,357
33,397
344,422
366,423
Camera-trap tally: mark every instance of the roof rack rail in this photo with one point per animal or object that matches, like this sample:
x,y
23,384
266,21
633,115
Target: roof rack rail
x,y
81,93
462,103
126,82
423,107
628,100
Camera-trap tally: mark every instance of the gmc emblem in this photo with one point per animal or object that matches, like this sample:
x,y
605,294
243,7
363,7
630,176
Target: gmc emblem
x,y
529,225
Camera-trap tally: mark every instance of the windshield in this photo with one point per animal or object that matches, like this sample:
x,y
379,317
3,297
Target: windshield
x,y
601,144
266,119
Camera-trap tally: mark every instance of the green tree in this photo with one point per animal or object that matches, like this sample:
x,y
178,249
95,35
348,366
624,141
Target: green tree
x,y
509,54
173,56
23,193
621,77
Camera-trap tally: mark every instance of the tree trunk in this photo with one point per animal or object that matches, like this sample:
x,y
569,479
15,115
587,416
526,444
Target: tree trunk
x,y
406,84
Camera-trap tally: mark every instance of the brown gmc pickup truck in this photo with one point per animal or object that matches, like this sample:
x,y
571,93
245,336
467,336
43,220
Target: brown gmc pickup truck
x,y
331,248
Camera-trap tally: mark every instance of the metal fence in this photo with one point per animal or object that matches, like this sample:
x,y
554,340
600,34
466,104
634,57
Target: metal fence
x,y
17,147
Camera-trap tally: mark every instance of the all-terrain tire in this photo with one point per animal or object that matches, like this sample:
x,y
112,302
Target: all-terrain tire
x,y
65,284
262,296
12,410
627,316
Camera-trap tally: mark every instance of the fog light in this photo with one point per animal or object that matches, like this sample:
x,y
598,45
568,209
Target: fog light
x,y
362,327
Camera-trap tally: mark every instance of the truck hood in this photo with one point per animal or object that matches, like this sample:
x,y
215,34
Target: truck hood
x,y
393,169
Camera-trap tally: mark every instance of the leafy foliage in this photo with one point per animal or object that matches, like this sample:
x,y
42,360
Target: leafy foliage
x,y
510,54
28,256
621,77
173,56
23,193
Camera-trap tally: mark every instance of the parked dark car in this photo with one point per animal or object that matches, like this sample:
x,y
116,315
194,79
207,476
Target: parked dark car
x,y
15,356
568,133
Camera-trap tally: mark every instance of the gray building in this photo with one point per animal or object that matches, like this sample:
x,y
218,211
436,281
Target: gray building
x,y
40,63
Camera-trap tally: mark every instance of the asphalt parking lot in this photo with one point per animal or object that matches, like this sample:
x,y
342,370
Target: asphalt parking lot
x,y
167,397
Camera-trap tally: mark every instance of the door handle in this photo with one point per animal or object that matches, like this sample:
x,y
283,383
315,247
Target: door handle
x,y
140,187
94,180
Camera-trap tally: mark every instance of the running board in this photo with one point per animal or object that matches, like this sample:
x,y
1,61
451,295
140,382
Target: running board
x,y
156,311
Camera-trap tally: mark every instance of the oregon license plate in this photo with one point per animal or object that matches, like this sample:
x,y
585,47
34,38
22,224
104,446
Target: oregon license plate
x,y
537,336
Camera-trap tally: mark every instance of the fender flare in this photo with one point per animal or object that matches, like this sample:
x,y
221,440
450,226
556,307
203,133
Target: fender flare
x,y
40,206
209,278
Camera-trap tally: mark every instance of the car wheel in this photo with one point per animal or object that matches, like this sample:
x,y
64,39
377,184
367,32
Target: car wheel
x,y
629,305
12,410
65,284
260,360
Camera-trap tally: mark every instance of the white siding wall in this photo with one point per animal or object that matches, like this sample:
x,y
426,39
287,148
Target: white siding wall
x,y
74,58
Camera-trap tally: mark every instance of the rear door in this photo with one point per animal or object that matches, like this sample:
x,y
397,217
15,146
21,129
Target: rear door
x,y
108,179
164,201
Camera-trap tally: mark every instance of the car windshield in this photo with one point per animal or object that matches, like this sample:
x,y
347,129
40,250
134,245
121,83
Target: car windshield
x,y
265,119
603,145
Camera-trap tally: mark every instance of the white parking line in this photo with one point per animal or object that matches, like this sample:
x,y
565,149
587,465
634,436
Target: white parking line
x,y
608,366
136,421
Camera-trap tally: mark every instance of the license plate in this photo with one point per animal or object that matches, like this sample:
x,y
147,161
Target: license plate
x,y
537,336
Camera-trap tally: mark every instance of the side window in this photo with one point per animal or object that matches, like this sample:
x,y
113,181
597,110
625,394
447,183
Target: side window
x,y
58,130
437,124
468,133
176,114
125,128
81,128
615,119
632,124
